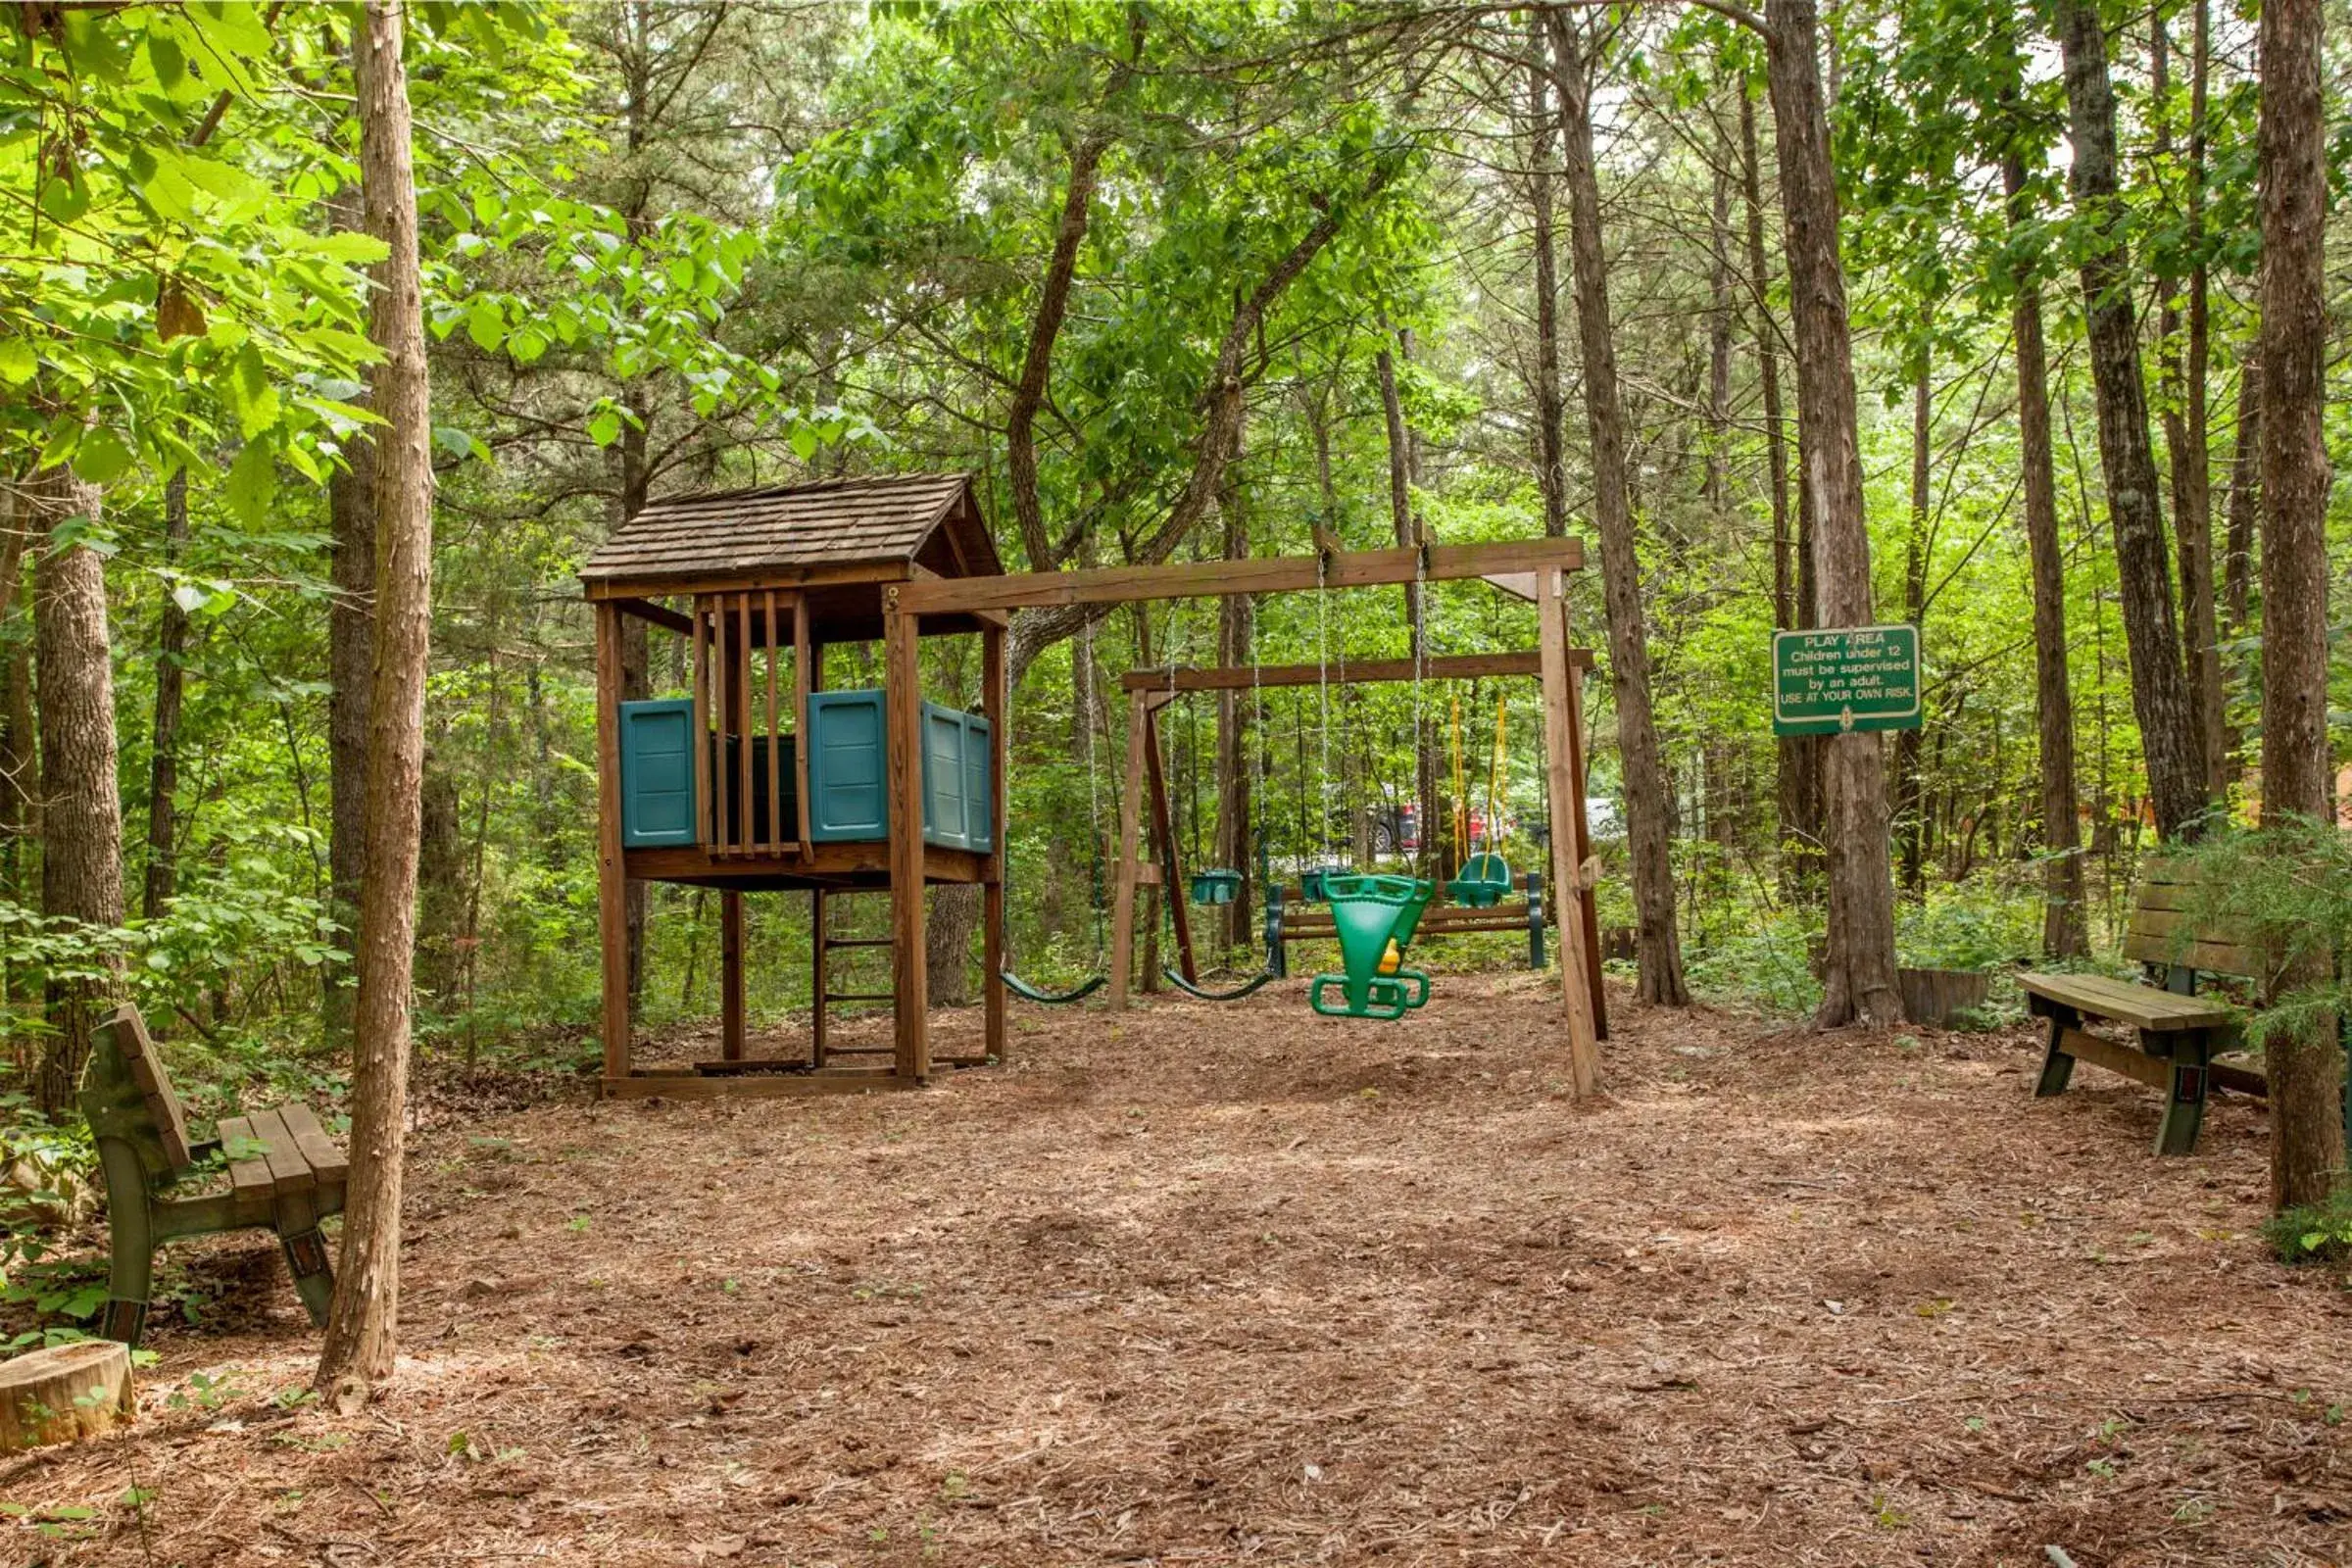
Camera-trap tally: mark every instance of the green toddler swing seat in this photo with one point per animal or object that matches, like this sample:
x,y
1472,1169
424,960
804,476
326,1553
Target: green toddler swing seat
x,y
1482,882
1375,917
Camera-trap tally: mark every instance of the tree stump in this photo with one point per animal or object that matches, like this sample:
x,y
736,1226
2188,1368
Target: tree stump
x,y
64,1394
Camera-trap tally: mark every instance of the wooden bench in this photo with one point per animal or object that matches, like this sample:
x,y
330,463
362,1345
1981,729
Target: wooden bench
x,y
2179,1032
286,1175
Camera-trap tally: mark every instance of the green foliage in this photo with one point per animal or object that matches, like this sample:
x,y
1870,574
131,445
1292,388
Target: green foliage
x,y
2286,888
2316,1232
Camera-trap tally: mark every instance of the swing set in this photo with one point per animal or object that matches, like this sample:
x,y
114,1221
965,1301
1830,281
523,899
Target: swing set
x,y
1374,908
1374,918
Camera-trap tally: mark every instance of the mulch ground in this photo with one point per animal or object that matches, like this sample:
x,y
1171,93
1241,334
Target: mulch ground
x,y
1215,1284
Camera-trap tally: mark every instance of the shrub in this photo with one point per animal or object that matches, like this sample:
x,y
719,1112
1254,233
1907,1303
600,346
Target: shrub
x,y
2318,1233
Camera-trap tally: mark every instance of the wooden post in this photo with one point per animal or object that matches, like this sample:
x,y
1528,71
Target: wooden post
x,y
997,710
777,833
820,976
730,974
1584,852
702,724
805,679
1131,813
745,838
1163,831
1551,615
901,703
723,714
612,873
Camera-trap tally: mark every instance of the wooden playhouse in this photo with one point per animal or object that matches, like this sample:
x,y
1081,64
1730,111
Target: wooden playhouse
x,y
762,779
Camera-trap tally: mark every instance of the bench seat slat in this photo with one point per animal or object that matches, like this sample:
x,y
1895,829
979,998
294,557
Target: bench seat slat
x,y
288,1171
249,1178
2142,1007
325,1158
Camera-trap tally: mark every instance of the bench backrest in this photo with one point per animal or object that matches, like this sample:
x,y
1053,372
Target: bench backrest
x,y
2167,929
127,1094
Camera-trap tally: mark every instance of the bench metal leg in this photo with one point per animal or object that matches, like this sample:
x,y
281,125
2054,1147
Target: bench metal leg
x,y
310,1262
2057,1067
2184,1099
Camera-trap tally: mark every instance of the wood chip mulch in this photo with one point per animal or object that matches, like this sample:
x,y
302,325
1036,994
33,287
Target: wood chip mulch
x,y
1221,1284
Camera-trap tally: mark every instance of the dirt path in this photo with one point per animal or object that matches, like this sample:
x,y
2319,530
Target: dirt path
x,y
1218,1284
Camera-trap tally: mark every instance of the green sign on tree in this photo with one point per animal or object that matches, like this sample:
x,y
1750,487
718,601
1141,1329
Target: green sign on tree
x,y
1844,678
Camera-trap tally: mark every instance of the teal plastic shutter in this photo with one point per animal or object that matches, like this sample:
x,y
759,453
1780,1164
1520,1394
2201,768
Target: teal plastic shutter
x,y
979,795
656,774
943,778
848,793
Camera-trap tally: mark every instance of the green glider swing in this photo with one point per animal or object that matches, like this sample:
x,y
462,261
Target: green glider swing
x,y
1373,916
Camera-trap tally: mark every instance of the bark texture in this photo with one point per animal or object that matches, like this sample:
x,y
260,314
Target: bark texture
x,y
2160,692
2306,1068
350,668
1796,783
1551,472
2064,929
82,816
2188,363
20,751
1858,969
361,1328
1649,803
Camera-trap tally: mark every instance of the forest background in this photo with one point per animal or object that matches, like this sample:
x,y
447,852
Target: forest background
x,y
1175,282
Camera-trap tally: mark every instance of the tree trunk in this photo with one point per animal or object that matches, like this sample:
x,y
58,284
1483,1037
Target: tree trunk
x,y
361,1328
2160,693
1796,758
1717,482
2306,1070
81,823
19,755
1551,473
1403,474
947,944
350,668
2182,361
1911,804
171,676
1858,972
1236,646
440,877
2245,490
1648,798
2064,928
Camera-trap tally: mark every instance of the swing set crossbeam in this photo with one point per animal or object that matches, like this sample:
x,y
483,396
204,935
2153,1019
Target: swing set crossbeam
x,y
1438,666
1258,574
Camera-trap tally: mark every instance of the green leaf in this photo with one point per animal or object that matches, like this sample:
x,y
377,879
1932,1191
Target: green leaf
x,y
251,482
603,427
19,364
102,457
250,393
486,324
348,245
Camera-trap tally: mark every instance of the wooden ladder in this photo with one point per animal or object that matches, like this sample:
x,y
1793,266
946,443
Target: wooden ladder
x,y
825,943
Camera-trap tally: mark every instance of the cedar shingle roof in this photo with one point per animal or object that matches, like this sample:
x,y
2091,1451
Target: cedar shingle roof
x,y
873,520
